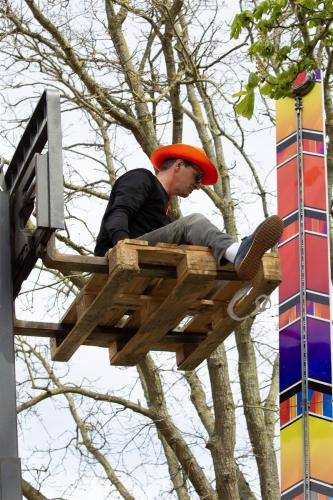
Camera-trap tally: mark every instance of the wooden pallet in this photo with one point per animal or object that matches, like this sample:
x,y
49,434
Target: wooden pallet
x,y
166,297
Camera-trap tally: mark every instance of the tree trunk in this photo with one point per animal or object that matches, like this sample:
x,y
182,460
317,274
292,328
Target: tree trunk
x,y
153,387
254,413
222,441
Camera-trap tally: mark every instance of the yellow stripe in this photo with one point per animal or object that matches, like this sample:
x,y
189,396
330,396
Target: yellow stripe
x,y
321,449
291,455
312,109
285,118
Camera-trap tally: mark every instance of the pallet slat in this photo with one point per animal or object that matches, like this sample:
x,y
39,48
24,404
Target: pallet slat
x,y
222,324
123,266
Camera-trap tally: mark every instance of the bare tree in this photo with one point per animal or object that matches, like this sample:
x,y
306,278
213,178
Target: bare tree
x,y
287,38
141,73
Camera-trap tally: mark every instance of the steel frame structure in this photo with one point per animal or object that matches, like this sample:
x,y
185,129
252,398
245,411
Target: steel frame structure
x,y
32,182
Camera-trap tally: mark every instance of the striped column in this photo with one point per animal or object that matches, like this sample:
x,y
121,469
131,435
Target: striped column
x,y
305,339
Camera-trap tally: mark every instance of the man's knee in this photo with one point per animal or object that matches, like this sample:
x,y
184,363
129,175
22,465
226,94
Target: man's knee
x,y
195,219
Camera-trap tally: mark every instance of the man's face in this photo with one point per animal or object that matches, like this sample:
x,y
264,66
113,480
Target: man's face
x,y
186,179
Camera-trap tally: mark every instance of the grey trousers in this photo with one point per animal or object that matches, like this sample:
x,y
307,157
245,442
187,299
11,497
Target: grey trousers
x,y
194,229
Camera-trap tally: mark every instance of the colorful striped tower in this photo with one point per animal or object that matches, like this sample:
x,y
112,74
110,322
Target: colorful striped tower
x,y
304,314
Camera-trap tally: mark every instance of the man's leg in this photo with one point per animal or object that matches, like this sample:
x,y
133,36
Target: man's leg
x,y
194,229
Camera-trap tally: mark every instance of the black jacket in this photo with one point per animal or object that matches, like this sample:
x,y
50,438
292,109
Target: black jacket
x,y
137,205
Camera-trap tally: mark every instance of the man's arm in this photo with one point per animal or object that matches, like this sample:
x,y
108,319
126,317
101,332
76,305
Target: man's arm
x,y
130,193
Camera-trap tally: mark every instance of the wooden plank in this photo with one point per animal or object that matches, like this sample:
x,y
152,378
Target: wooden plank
x,y
136,243
70,315
198,307
167,245
94,284
136,301
267,279
161,271
155,256
127,302
160,288
123,267
195,279
194,247
83,302
163,287
203,321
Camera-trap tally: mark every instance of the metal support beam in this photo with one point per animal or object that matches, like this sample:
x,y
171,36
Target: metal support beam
x,y
34,180
10,468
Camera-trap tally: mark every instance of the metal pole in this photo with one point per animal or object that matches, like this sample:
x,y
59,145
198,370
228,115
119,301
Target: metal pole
x,y
304,339
10,467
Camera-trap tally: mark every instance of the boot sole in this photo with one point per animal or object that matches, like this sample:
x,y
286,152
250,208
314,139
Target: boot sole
x,y
265,238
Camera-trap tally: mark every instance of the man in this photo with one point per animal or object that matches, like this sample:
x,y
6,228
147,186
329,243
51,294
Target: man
x,y
139,202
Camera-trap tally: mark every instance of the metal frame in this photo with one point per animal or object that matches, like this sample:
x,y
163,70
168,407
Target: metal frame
x,y
304,337
10,468
34,181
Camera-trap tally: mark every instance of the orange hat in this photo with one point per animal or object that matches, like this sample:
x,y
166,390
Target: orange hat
x,y
189,153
